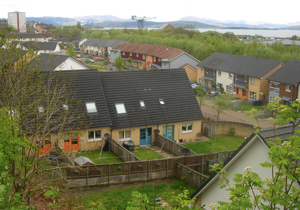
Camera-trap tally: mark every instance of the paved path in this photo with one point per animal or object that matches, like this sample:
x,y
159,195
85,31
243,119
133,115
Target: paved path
x,y
163,153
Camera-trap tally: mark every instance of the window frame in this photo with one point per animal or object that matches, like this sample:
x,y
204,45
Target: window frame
x,y
119,106
144,57
185,128
252,80
91,111
94,139
202,69
219,73
251,93
137,55
161,101
142,104
124,135
288,88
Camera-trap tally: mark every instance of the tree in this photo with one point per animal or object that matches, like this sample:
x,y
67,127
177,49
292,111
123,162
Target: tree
x,y
70,50
200,94
119,63
129,61
222,102
281,189
37,105
76,33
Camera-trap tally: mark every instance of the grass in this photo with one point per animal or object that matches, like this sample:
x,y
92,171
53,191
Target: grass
x,y
118,199
248,106
142,153
106,157
218,143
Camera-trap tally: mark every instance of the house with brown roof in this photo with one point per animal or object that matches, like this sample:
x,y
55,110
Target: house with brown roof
x,y
156,57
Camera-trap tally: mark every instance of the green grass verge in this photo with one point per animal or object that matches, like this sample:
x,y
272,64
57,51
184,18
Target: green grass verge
x,y
248,106
118,199
218,143
144,153
106,157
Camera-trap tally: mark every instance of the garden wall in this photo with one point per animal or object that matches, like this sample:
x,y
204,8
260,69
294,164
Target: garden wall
x,y
222,127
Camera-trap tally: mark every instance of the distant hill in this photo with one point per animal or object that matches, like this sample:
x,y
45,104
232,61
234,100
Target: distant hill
x,y
57,21
97,18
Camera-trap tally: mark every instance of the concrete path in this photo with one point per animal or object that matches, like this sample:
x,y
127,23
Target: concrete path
x,y
163,153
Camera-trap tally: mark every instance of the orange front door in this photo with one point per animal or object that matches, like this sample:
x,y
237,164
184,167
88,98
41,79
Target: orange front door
x,y
44,144
244,94
71,142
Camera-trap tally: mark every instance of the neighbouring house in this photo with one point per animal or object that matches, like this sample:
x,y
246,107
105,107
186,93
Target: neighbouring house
x,y
130,105
110,45
156,57
30,37
245,156
54,62
41,47
284,83
166,26
43,28
243,76
94,46
76,41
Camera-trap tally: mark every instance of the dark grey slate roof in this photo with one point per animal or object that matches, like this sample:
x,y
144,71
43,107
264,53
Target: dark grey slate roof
x,y
238,64
114,42
31,35
131,87
96,42
72,39
282,132
40,45
289,73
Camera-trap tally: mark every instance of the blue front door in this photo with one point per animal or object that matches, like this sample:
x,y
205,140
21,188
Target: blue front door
x,y
145,136
206,84
168,132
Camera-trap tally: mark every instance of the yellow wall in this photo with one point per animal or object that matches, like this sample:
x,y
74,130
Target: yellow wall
x,y
255,88
192,74
199,73
135,132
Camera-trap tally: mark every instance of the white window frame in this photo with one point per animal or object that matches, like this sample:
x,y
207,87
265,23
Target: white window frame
x,y
219,73
130,54
142,103
94,139
154,59
185,128
125,138
120,107
161,101
229,88
91,109
144,57
41,109
140,64
202,69
252,95
288,88
252,80
123,53
230,75
65,107
137,55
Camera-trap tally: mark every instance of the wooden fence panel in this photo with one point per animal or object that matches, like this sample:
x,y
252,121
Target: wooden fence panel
x,y
121,152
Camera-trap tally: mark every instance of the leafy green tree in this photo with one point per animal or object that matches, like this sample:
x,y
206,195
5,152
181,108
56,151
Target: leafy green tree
x,y
129,61
222,102
200,93
119,63
70,50
281,189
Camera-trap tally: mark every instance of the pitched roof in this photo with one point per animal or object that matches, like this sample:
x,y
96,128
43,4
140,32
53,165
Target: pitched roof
x,y
131,87
48,61
72,39
113,43
289,73
154,50
238,64
96,42
41,45
282,132
31,35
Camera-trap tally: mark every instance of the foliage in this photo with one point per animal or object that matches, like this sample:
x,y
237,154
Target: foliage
x,y
200,94
53,194
231,132
70,50
119,63
222,102
107,157
129,61
280,190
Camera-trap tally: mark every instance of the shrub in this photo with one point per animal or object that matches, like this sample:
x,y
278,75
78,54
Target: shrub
x,y
231,132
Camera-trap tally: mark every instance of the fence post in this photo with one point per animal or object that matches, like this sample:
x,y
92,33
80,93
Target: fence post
x,y
202,164
129,172
87,177
167,167
148,166
108,174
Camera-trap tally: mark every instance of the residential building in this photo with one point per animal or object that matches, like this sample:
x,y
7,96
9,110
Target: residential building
x,y
166,26
41,47
43,28
244,76
76,41
30,37
156,57
284,83
17,20
110,45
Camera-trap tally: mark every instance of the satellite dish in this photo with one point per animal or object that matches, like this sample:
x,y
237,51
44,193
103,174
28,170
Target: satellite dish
x,y
185,151
156,131
107,135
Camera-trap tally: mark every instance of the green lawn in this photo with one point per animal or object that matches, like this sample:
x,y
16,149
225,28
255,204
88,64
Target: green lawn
x,y
248,106
118,199
221,143
144,153
106,157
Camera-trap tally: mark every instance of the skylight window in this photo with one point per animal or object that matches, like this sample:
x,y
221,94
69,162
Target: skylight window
x,y
120,108
91,107
65,106
161,101
142,103
41,109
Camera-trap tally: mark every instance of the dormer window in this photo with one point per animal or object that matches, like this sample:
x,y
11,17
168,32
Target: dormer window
x,y
91,107
161,101
120,108
142,103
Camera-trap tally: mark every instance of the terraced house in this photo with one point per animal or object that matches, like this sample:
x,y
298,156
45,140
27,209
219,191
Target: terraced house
x,y
156,57
243,76
130,105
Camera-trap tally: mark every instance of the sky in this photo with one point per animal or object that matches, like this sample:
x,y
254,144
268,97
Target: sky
x,y
281,12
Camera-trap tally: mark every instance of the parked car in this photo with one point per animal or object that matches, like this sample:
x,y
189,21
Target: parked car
x,y
99,59
78,56
214,93
89,61
195,85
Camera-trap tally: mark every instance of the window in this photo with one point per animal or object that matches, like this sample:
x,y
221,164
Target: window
x,y
288,88
219,73
91,107
94,135
161,101
158,59
137,55
140,64
65,107
120,108
144,57
201,82
252,80
230,76
252,95
41,109
124,135
42,142
187,127
202,69
123,53
130,54
154,59
142,103
229,88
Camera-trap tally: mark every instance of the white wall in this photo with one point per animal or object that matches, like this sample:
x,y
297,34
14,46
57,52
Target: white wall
x,y
224,79
71,64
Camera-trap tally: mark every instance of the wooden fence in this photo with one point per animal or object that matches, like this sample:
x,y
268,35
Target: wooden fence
x,y
190,176
170,146
121,152
131,171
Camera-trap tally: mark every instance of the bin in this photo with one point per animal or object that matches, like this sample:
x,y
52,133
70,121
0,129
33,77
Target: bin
x,y
253,103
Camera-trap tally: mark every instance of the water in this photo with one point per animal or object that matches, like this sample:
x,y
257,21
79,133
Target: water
x,y
264,33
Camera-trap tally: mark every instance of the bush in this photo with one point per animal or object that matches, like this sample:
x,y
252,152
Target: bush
x,y
231,132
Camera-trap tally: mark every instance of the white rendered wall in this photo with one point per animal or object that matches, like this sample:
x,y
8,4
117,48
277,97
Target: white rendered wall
x,y
71,64
224,79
